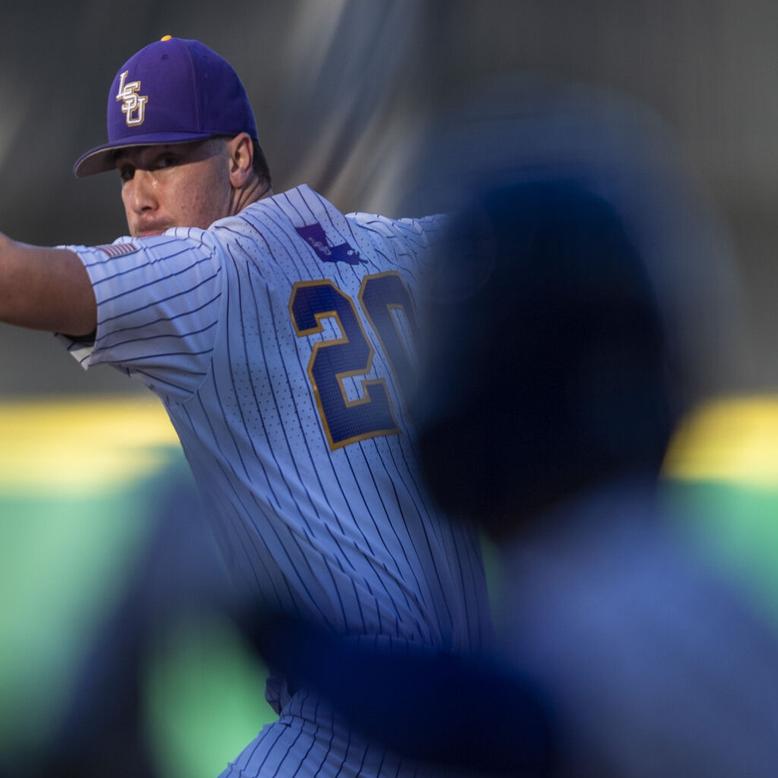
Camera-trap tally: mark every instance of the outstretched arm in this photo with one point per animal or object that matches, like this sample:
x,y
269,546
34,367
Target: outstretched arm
x,y
45,289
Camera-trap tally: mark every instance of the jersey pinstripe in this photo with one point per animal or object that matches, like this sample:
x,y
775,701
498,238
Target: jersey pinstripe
x,y
274,339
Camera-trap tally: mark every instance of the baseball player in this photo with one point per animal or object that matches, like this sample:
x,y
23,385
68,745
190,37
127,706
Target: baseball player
x,y
273,328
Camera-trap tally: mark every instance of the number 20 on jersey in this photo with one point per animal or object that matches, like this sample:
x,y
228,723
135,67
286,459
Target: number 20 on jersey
x,y
351,355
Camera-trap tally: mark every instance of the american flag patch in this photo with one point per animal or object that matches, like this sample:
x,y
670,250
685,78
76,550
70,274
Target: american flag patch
x,y
117,249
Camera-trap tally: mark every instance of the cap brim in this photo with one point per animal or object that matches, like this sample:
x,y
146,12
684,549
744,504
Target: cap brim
x,y
101,158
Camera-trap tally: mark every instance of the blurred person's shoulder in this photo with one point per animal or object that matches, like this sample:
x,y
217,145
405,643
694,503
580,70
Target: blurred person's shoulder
x,y
643,646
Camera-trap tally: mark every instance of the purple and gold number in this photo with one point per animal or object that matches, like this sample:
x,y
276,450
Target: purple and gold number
x,y
381,297
335,360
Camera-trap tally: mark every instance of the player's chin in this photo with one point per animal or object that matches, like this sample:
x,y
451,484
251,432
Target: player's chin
x,y
148,233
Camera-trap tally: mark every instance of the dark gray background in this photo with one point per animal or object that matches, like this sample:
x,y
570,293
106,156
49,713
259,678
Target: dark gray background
x,y
343,90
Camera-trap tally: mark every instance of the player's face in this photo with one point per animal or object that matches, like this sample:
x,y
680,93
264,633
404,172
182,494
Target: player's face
x,y
178,185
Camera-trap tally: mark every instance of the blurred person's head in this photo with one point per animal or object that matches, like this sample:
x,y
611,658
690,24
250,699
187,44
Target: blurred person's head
x,y
575,310
547,354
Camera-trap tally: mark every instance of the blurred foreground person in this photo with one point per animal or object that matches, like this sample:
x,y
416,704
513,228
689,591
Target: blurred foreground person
x,y
550,385
558,385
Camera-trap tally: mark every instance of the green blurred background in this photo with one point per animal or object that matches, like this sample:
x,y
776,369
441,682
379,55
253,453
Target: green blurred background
x,y
80,482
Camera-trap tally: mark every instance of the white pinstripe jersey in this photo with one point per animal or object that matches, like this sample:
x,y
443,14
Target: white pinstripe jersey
x,y
274,339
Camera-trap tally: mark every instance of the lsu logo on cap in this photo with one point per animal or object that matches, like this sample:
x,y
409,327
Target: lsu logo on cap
x,y
133,104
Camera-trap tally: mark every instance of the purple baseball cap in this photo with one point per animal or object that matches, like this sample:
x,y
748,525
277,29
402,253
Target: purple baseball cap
x,y
172,91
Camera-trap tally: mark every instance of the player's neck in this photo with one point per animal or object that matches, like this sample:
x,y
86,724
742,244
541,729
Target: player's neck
x,y
256,190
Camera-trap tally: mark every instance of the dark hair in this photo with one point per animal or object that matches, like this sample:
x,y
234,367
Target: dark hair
x,y
261,167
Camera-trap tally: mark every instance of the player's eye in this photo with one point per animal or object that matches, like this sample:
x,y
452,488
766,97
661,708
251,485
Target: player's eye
x,y
167,160
126,172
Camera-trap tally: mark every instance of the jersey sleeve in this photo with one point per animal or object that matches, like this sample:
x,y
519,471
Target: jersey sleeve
x,y
430,227
158,309
410,237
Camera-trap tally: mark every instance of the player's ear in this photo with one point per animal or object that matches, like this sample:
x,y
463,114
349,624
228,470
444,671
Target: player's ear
x,y
241,156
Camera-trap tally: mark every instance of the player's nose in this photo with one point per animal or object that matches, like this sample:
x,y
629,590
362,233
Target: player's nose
x,y
141,195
